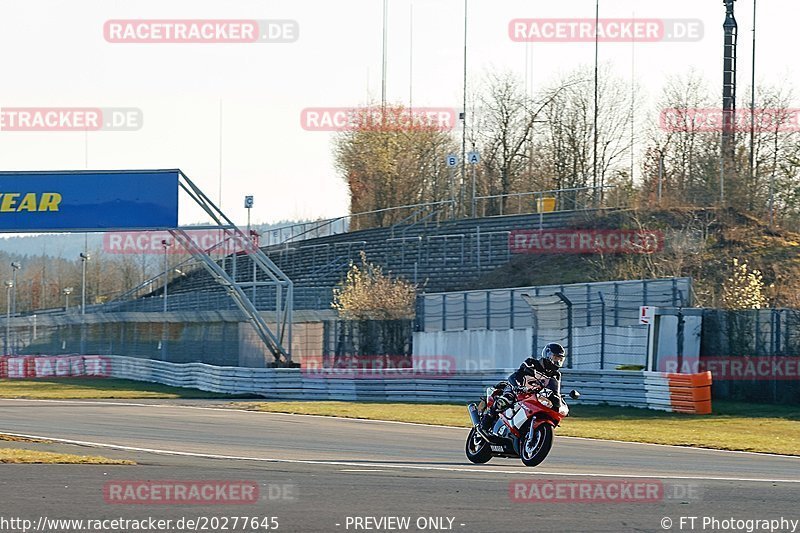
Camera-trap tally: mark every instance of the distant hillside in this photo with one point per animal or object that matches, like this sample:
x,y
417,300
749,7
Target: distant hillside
x,y
697,243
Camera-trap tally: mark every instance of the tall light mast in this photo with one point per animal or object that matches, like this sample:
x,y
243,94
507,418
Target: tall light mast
x,y
728,144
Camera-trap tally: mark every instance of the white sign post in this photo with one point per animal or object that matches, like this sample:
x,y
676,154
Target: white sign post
x,y
452,163
647,317
248,204
473,158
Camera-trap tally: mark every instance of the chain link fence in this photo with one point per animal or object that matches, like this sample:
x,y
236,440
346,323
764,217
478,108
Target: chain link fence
x,y
760,336
597,322
222,338
176,337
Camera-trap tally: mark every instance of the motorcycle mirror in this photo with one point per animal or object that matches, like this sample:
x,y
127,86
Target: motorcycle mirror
x,y
574,394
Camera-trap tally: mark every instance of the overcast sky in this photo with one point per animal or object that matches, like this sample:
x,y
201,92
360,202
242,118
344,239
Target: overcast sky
x,y
55,55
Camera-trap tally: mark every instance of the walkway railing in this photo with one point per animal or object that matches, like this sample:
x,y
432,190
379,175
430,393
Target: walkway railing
x,y
573,199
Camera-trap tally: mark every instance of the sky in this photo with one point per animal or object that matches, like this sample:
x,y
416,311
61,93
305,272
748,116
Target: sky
x,y
228,114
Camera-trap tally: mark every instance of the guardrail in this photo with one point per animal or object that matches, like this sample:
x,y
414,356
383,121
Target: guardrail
x,y
687,393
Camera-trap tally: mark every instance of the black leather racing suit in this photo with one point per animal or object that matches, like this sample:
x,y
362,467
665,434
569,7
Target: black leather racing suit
x,y
533,368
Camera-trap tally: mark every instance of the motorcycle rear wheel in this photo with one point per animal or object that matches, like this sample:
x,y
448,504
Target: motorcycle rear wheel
x,y
477,448
533,451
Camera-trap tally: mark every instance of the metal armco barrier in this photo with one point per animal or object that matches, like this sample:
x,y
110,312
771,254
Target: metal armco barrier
x,y
685,393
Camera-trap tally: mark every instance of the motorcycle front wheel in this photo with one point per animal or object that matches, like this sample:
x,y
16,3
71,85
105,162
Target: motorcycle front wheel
x,y
477,449
533,450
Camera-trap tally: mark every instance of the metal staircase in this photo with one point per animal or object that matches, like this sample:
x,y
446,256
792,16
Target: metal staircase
x,y
278,342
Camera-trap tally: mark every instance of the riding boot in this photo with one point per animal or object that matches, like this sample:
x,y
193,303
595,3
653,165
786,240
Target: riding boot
x,y
488,420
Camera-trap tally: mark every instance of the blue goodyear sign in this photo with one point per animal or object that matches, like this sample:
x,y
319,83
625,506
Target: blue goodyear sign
x,y
90,200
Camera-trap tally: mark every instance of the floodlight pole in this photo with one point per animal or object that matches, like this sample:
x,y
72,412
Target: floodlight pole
x,y
14,267
464,119
84,258
166,244
9,285
596,101
66,291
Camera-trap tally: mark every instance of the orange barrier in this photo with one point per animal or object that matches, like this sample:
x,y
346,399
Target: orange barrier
x,y
690,393
3,367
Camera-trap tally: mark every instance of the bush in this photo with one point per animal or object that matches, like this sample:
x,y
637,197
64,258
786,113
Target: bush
x,y
369,294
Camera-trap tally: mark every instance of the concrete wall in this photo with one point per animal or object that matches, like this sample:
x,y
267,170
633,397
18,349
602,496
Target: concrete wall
x,y
477,349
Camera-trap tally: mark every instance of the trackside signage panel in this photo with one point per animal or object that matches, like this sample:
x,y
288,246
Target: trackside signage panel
x,y
72,201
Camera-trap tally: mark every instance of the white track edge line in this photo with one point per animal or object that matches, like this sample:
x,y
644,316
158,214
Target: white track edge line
x,y
476,470
369,420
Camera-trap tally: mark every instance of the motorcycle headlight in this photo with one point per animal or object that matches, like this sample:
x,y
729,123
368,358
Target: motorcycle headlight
x,y
546,402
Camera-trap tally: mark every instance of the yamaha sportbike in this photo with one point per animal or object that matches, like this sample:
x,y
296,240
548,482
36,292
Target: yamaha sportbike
x,y
524,430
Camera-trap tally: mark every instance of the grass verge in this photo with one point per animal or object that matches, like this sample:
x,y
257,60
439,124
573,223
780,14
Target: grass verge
x,y
17,456
12,438
732,426
96,388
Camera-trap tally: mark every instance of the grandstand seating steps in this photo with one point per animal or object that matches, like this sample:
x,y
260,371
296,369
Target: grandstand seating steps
x,y
440,256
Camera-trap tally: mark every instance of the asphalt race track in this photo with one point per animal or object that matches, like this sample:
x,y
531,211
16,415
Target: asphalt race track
x,y
327,474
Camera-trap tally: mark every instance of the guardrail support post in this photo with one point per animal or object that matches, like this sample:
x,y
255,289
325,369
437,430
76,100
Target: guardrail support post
x,y
488,310
444,312
478,246
511,305
568,303
602,331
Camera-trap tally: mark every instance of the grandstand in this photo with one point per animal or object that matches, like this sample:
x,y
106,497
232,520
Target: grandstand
x,y
437,255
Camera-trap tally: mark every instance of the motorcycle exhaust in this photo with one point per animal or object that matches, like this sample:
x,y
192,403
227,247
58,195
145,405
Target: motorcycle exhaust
x,y
473,415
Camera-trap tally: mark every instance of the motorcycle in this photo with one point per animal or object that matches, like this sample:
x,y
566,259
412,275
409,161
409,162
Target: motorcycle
x,y
524,430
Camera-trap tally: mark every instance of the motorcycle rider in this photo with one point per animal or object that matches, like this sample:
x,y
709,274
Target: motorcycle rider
x,y
543,372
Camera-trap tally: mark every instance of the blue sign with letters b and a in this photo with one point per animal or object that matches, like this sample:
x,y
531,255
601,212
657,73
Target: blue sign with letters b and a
x,y
88,200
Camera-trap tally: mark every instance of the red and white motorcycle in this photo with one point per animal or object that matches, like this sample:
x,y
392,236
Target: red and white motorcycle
x,y
524,430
